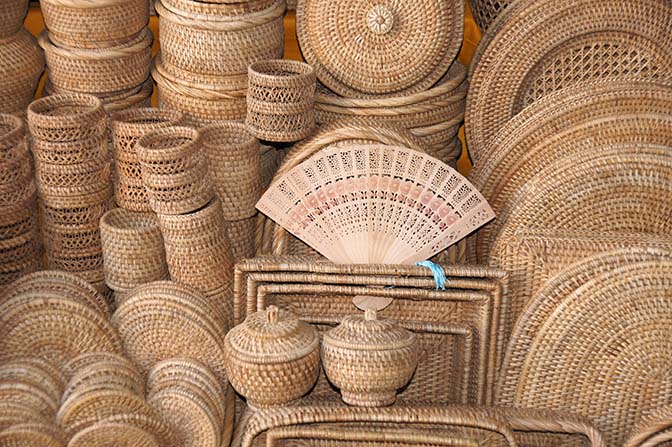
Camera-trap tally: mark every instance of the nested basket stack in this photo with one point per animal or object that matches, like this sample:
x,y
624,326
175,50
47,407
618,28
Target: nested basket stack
x,y
180,191
101,48
20,243
72,164
206,49
235,168
22,59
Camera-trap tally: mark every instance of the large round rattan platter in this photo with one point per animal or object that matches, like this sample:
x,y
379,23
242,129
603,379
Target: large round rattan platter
x,y
595,341
378,48
536,47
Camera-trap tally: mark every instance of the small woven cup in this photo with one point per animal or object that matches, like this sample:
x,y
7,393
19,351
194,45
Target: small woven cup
x,y
174,170
281,100
116,21
67,118
133,250
233,155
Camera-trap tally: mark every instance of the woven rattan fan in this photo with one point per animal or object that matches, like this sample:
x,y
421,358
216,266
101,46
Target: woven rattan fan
x,y
375,204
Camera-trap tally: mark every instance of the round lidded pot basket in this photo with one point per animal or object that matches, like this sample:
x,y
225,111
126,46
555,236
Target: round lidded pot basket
x,y
272,358
281,100
369,359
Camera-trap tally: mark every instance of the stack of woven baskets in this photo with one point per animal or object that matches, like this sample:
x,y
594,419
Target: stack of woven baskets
x,y
206,48
20,242
72,163
22,59
101,48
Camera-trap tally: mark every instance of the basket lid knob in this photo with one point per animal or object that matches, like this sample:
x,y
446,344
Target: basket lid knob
x,y
370,314
380,19
272,314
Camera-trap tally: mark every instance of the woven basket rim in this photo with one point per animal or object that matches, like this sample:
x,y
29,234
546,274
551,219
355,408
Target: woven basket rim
x,y
221,23
86,4
145,144
148,222
142,42
300,70
134,118
90,104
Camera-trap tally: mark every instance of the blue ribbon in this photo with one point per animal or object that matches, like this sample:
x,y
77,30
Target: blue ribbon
x,y
437,271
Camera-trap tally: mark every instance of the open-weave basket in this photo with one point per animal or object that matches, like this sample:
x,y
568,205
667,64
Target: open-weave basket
x,y
136,97
12,13
23,63
203,103
174,170
76,210
68,117
133,249
66,153
486,11
197,248
76,239
71,22
209,37
104,70
74,179
127,127
281,100
234,159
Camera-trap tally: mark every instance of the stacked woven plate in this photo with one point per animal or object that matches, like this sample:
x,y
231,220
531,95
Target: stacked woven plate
x,y
72,163
389,63
22,59
206,48
20,241
110,60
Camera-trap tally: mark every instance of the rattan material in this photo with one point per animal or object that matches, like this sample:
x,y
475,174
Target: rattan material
x,y
72,180
133,98
234,158
364,49
112,372
605,316
544,46
103,70
242,237
23,63
270,159
66,118
272,358
197,248
281,100
203,103
13,14
117,21
133,250
655,429
119,434
486,11
14,414
33,434
152,422
221,8
36,371
211,36
127,127
156,309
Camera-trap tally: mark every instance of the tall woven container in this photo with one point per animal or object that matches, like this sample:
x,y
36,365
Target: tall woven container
x,y
12,13
127,128
23,64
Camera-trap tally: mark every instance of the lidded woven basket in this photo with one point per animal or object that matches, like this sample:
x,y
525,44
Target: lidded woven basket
x,y
369,359
273,358
22,65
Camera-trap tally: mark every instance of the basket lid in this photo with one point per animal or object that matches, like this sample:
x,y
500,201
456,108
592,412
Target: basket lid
x,y
270,336
368,333
374,47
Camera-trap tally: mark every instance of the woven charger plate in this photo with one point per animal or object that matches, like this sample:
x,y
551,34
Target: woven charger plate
x,y
596,340
118,434
374,48
653,430
536,47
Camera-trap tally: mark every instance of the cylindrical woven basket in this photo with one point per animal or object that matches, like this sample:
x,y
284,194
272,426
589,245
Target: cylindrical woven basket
x,y
197,248
104,70
133,250
72,240
174,170
281,100
23,64
94,24
12,13
72,180
63,118
203,103
201,42
234,158
242,235
127,127
136,97
67,153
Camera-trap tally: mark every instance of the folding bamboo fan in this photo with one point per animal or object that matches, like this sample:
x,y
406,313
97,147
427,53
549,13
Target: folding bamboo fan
x,y
375,204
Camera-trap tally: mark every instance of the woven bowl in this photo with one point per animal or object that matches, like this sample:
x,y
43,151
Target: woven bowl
x,y
104,70
12,13
234,158
23,64
255,36
116,21
67,118
272,358
281,100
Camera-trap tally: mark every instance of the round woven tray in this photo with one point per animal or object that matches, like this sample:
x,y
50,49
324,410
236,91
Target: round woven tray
x,y
109,373
605,316
655,429
44,434
67,118
543,46
368,48
23,64
103,434
36,372
13,13
105,70
256,36
234,159
281,100
116,22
